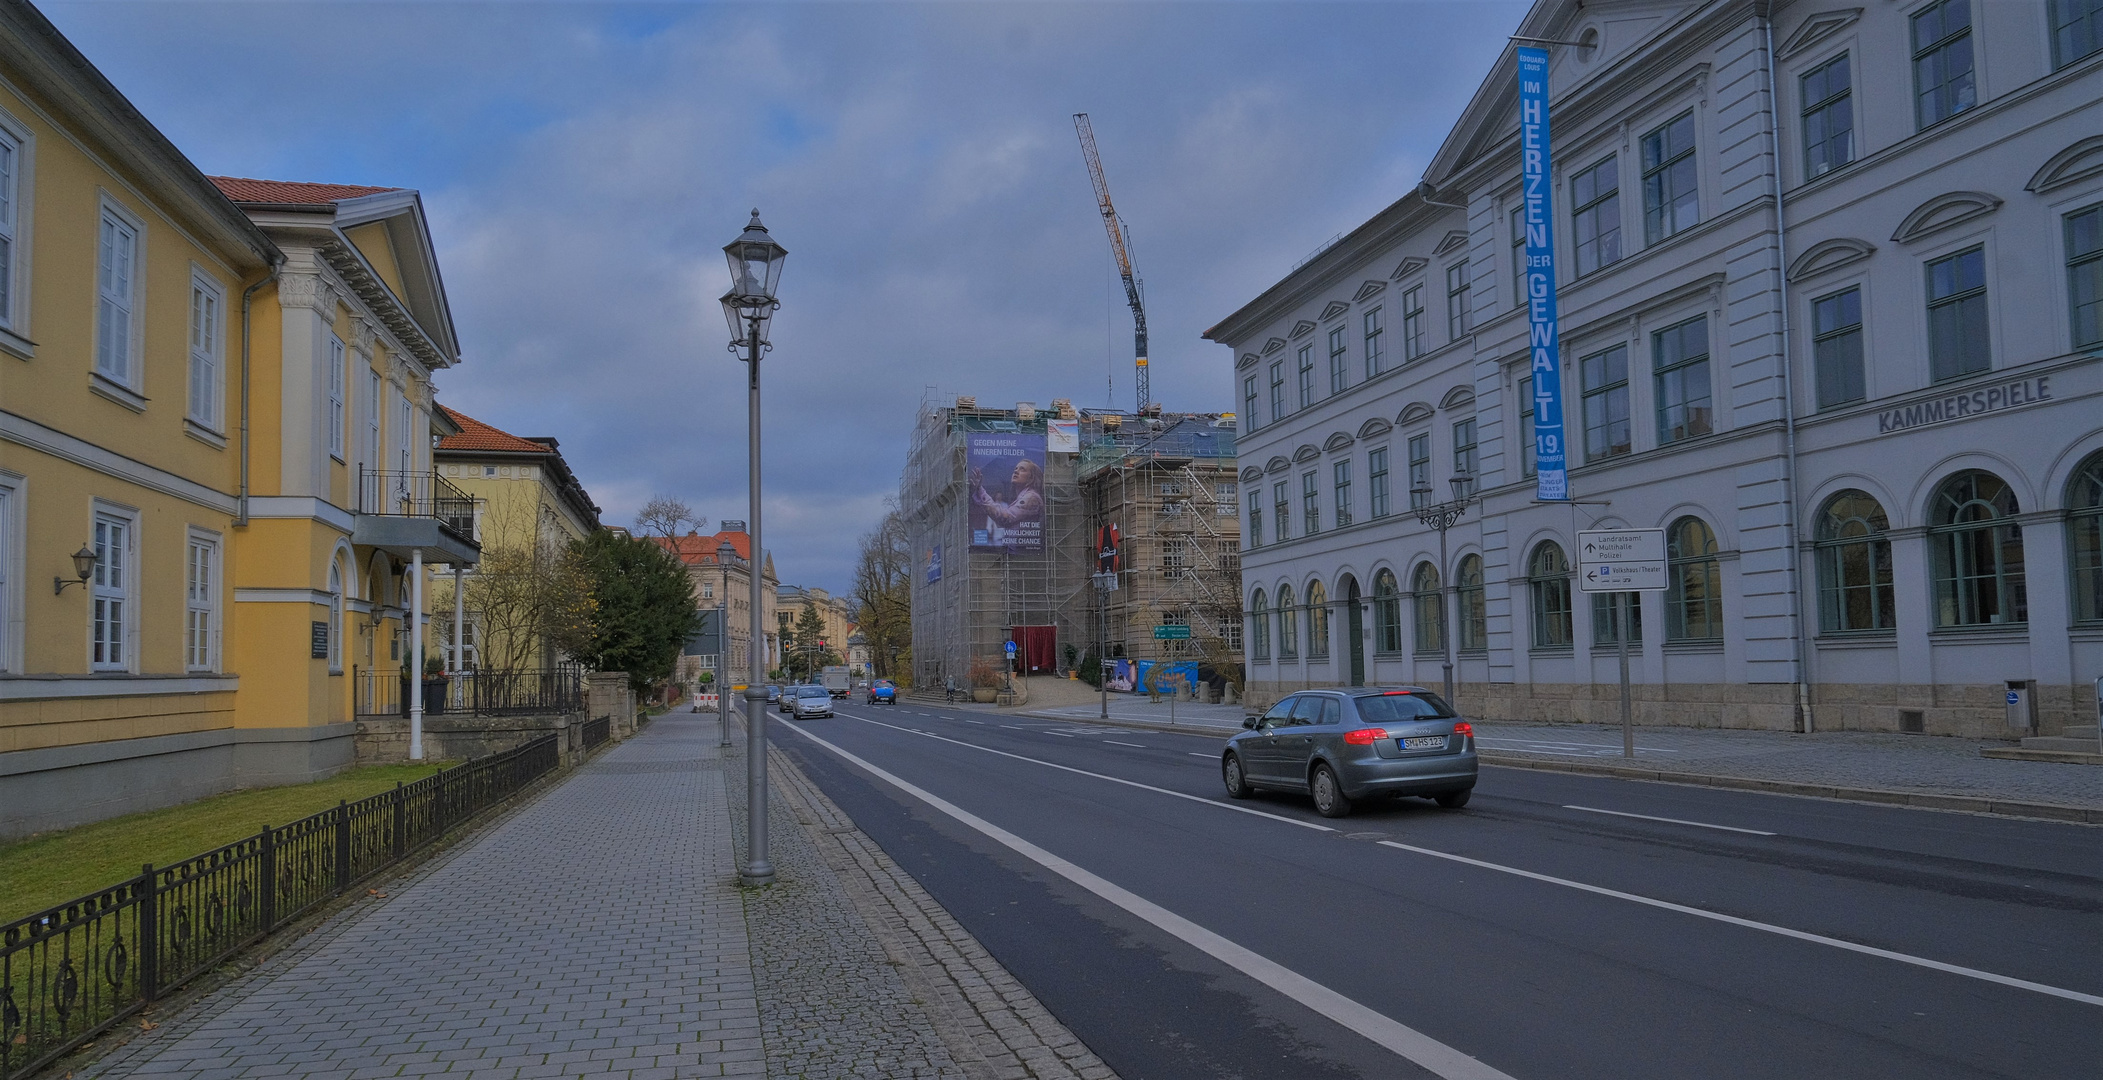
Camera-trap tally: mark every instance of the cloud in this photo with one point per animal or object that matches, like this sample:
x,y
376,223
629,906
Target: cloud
x,y
584,164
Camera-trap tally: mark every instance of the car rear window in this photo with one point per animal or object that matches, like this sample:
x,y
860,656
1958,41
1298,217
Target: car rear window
x,y
1388,707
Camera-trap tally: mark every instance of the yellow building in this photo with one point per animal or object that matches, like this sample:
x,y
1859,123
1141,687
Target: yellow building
x,y
218,392
836,614
720,567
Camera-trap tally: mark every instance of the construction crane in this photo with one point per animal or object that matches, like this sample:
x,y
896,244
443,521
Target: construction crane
x,y
1124,258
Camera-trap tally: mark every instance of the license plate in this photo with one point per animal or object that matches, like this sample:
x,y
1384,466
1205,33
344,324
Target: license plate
x,y
1425,742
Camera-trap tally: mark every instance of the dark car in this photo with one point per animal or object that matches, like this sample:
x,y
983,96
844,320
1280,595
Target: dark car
x,y
1346,746
773,692
787,701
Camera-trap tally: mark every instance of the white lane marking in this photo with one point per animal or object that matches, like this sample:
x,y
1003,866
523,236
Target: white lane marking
x,y
1136,746
1060,734
1407,1042
1104,776
974,721
1669,820
1800,935
1011,727
1194,753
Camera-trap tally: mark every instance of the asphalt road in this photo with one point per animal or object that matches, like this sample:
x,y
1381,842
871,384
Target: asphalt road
x,y
1539,933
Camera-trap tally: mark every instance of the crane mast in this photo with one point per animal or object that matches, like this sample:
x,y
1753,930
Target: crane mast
x,y
1124,258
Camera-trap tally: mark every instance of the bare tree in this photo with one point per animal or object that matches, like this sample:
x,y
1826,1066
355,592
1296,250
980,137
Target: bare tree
x,y
530,595
667,516
883,593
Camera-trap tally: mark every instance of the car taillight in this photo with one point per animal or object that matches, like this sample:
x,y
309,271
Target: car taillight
x,y
1365,736
1464,728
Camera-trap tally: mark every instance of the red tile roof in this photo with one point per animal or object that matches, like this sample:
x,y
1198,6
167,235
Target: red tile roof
x,y
695,549
476,435
243,190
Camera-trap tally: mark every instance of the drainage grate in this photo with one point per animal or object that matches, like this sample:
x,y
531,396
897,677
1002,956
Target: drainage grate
x,y
1911,722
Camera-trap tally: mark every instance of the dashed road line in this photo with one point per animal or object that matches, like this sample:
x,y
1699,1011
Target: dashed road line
x,y
1670,820
1133,745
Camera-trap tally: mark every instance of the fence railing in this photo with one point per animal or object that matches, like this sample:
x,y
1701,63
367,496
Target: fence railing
x,y
73,971
486,692
597,731
392,493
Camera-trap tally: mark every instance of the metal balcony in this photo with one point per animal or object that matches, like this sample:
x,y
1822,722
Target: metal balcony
x,y
401,512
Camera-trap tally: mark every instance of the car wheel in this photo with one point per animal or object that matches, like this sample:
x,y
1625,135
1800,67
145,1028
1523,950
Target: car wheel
x,y
1237,784
1329,797
1454,800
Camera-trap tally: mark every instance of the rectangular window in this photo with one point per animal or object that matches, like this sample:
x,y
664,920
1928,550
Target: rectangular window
x,y
1603,619
1256,516
1310,504
1412,323
1669,202
1277,390
1376,482
1518,217
116,294
1527,465
1248,400
1281,511
206,330
1341,481
372,419
1944,82
1306,375
201,604
1419,469
402,444
1957,315
1679,361
1375,344
10,170
1460,305
1596,221
1339,361
1829,117
1603,377
2084,274
2077,30
10,634
336,417
1836,348
110,591
1464,453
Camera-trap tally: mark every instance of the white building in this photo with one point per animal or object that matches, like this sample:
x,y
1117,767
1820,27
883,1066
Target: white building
x,y
1896,527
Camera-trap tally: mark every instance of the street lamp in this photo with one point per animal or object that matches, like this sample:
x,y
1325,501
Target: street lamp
x,y
1442,516
755,268
724,553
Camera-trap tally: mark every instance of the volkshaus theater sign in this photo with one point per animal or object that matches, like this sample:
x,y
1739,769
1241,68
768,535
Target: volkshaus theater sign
x,y
1995,398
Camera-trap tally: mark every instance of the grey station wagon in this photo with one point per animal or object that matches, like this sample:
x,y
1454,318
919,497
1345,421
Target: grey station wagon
x,y
1344,746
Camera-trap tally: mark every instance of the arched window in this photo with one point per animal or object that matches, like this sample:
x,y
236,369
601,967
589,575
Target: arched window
x,y
1977,552
1317,620
1468,592
1693,583
1259,627
2084,538
335,615
1288,625
1387,613
1854,565
1429,601
1548,579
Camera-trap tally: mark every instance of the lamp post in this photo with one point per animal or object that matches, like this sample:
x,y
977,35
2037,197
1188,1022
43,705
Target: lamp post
x,y
1443,516
724,553
755,269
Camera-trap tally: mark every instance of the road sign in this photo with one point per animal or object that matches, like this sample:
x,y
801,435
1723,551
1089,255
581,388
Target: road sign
x,y
1171,633
1627,560
1011,648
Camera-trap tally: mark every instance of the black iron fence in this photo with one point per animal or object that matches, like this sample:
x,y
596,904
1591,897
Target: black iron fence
x,y
597,731
391,493
75,970
474,693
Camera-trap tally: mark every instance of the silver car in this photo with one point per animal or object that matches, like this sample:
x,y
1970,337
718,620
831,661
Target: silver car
x,y
808,701
1345,746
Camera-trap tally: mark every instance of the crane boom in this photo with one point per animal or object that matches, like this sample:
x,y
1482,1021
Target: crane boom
x,y
1117,245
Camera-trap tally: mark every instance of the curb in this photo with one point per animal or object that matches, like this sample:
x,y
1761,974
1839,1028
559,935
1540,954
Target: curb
x,y
1917,800
2067,757
1136,725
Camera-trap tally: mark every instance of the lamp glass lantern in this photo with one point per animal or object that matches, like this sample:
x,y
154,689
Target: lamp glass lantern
x,y
755,270
1462,485
84,562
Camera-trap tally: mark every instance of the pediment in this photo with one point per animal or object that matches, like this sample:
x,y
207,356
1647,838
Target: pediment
x,y
1248,360
1335,309
1817,28
1302,328
1273,345
1276,465
1306,452
1457,240
1460,397
1337,441
1369,290
1374,427
1251,474
1829,255
2075,163
1407,267
1414,412
1945,211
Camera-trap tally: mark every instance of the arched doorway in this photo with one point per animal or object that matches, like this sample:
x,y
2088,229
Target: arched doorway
x,y
1354,629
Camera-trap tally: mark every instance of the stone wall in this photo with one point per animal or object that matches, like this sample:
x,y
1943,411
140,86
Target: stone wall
x,y
606,693
384,740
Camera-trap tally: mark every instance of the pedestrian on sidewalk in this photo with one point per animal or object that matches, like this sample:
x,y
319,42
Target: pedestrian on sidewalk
x,y
949,690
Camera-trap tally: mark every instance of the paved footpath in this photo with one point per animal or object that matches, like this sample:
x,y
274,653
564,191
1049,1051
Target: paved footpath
x,y
599,931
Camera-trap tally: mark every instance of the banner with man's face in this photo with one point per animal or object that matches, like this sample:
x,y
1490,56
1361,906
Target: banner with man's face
x,y
1005,483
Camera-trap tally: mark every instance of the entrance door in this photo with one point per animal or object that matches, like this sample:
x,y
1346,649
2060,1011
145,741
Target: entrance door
x,y
1355,630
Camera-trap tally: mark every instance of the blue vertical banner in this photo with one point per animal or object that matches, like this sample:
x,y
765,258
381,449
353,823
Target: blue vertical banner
x,y
1552,475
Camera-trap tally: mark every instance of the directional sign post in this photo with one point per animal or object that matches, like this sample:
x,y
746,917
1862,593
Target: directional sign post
x,y
1171,633
1622,562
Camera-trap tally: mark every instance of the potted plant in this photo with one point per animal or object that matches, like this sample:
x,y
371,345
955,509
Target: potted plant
x,y
985,680
434,683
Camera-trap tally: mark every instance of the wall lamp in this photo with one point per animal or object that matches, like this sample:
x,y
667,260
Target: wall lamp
x,y
83,564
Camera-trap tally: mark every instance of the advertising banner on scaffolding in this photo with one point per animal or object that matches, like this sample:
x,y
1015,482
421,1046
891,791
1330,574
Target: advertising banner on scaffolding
x,y
934,564
1552,477
1007,492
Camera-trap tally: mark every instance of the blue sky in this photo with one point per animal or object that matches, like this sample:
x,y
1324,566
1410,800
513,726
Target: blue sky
x,y
584,163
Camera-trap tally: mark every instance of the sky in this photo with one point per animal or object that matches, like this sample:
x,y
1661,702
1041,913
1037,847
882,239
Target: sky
x,y
583,165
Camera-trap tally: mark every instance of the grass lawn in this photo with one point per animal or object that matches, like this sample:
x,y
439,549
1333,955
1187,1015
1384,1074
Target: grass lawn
x,y
54,867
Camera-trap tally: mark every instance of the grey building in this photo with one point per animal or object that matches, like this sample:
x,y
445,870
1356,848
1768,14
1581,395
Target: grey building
x,y
1831,284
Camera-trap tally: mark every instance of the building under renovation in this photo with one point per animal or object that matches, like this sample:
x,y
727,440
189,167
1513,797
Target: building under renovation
x,y
1006,508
